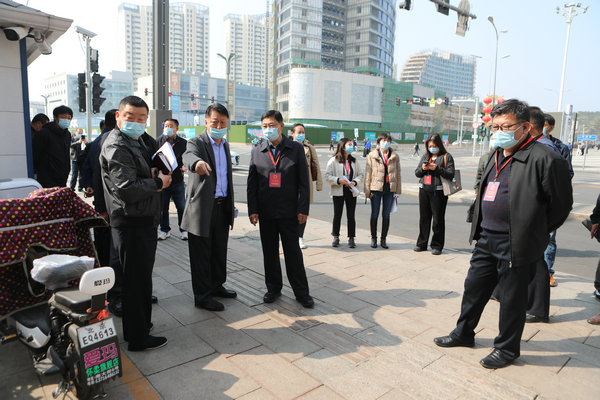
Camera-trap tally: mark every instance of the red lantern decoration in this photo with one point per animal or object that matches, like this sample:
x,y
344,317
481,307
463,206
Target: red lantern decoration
x,y
486,119
487,100
500,100
487,109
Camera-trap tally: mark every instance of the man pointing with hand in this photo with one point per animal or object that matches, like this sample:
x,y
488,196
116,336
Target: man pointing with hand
x,y
278,199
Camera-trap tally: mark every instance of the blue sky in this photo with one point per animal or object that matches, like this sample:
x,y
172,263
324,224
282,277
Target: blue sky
x,y
535,41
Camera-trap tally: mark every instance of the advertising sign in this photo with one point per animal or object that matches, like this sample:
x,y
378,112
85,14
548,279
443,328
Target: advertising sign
x,y
371,136
255,133
100,355
336,136
194,92
409,136
396,135
445,139
356,133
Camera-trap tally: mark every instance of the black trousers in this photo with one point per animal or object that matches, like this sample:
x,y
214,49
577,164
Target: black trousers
x,y
136,248
432,204
270,232
107,256
208,255
490,265
338,208
301,228
538,291
597,280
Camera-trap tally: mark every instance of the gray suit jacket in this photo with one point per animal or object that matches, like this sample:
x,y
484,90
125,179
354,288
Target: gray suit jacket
x,y
200,192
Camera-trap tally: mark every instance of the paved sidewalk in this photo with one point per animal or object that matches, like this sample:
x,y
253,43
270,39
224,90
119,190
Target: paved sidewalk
x,y
368,337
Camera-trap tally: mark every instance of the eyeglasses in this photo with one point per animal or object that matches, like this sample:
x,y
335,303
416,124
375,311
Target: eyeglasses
x,y
503,128
265,126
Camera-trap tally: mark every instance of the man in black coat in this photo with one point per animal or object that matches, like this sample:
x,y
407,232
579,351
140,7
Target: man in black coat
x,y
279,199
525,193
51,149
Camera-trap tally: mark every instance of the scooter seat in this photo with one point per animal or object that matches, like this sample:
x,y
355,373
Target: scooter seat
x,y
37,316
73,300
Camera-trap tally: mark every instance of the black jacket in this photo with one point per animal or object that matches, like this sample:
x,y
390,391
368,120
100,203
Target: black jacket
x,y
130,192
90,174
51,159
287,201
540,200
436,174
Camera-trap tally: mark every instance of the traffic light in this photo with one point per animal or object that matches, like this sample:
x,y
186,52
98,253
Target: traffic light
x,y
192,96
443,9
146,92
93,60
169,94
405,5
397,101
81,85
212,99
96,92
446,100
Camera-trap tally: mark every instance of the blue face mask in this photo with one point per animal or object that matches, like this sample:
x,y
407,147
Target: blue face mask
x,y
384,145
505,139
434,150
349,150
300,137
270,133
168,131
64,123
544,132
133,129
217,134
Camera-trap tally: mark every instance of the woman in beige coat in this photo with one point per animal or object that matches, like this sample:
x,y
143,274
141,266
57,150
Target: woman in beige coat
x,y
314,170
382,182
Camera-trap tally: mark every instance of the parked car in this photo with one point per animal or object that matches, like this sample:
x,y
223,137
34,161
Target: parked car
x,y
235,158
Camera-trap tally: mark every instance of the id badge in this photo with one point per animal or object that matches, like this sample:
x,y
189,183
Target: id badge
x,y
490,191
427,180
275,179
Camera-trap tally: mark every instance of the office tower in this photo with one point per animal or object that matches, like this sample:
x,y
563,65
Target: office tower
x,y
449,72
245,36
188,38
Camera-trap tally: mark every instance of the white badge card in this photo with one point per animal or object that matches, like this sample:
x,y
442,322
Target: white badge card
x,y
490,191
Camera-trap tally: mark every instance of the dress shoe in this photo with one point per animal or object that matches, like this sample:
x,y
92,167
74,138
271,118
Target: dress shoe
x,y
496,359
436,252
225,293
384,243
336,241
449,341
597,294
594,320
210,304
530,318
351,243
154,299
306,301
270,297
116,308
419,249
151,343
374,242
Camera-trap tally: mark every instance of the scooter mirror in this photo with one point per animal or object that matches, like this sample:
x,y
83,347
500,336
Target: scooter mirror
x,y
97,281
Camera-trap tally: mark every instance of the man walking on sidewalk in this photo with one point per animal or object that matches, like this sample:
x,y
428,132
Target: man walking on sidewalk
x,y
209,210
524,185
278,199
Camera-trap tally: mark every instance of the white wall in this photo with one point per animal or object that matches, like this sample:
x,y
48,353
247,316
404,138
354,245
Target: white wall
x,y
13,158
334,95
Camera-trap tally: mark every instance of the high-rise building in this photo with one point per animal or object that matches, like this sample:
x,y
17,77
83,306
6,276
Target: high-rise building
x,y
245,36
188,38
452,73
351,35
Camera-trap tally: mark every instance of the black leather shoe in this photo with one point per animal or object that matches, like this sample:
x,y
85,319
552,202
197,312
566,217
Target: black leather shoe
x,y
154,299
419,249
306,301
270,297
116,308
496,359
374,242
384,243
151,343
449,341
436,252
351,243
225,293
210,304
530,318
336,241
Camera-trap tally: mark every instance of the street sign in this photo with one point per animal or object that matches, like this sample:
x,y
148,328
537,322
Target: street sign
x,y
439,101
475,125
581,138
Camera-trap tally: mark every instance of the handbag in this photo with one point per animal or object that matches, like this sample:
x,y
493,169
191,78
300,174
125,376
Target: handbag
x,y
453,185
471,211
588,224
313,171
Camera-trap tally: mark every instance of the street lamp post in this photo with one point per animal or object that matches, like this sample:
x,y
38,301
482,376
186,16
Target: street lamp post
x,y
228,70
491,19
45,96
569,11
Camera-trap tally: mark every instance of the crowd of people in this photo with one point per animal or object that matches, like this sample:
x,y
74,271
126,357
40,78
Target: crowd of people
x,y
524,182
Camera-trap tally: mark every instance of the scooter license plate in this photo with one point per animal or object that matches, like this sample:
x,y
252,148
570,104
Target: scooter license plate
x,y
95,333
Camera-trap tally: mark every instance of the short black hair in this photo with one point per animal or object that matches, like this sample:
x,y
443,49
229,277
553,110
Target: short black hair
x,y
172,119
272,113
295,125
41,117
133,101
218,107
518,108
62,110
383,136
110,119
536,117
102,124
550,119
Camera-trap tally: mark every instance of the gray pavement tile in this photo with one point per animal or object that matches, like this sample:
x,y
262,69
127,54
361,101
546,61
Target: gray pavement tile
x,y
393,322
570,347
275,374
357,385
289,313
345,322
211,377
258,394
324,364
183,310
239,315
321,393
379,337
183,346
19,356
281,340
341,300
163,289
396,394
577,380
335,340
594,339
185,287
223,338
172,273
22,385
574,331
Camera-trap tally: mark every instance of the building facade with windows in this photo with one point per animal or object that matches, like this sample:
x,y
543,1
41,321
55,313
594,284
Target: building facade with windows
x,y
452,73
245,36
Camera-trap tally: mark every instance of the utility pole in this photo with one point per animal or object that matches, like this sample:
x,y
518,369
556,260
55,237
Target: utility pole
x,y
267,29
87,36
45,96
160,74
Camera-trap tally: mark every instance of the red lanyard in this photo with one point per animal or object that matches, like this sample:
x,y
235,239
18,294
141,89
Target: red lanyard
x,y
385,157
273,160
347,168
509,157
